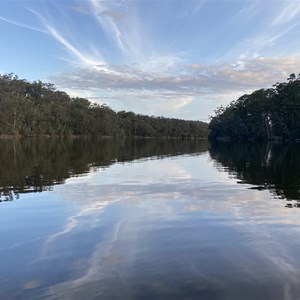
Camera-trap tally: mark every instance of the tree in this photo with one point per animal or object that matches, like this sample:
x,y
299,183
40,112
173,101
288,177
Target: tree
x,y
264,114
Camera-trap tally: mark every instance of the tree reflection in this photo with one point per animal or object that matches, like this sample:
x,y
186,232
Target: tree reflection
x,y
272,166
36,164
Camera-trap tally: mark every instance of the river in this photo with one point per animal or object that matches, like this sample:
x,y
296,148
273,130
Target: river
x,y
149,219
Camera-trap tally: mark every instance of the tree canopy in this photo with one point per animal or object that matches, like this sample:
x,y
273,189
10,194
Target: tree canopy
x,y
272,113
37,108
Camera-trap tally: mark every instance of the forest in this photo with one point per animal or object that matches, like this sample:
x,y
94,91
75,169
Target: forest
x,y
266,114
37,108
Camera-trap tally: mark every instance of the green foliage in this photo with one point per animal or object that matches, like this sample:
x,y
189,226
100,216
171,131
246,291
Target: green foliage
x,y
265,114
36,108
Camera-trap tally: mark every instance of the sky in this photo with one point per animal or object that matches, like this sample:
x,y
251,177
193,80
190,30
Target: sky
x,y
172,58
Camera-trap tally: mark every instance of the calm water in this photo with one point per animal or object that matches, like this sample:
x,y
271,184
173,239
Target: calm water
x,y
84,219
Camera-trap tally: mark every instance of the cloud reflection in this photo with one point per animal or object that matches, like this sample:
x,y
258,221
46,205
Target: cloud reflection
x,y
175,220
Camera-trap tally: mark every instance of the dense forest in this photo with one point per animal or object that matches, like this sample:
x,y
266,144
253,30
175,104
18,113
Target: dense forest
x,y
265,114
37,108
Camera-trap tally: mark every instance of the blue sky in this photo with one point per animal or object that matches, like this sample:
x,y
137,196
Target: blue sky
x,y
173,58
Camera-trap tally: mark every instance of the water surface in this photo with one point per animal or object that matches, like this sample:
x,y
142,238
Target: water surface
x,y
83,219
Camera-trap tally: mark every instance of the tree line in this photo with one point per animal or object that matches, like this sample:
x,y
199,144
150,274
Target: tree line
x,y
265,114
37,108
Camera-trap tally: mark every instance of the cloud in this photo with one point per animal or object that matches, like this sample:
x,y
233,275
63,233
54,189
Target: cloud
x,y
290,12
113,14
263,29
79,9
107,17
119,57
124,26
191,79
80,57
169,90
22,25
115,23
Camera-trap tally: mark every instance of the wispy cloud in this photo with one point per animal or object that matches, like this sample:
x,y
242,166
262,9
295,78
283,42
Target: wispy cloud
x,y
287,14
266,28
79,9
196,78
22,25
161,92
107,17
50,29
121,58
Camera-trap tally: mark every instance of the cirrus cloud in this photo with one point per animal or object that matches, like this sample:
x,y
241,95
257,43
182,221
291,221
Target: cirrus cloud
x,y
171,58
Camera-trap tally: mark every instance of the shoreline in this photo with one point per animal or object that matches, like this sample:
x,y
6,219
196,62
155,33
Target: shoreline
x,y
18,136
